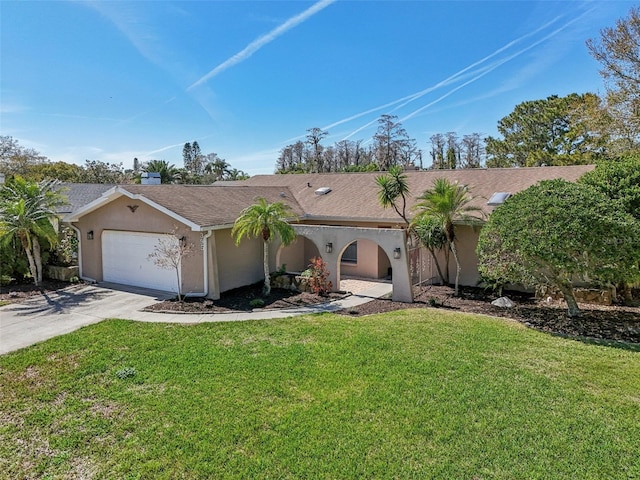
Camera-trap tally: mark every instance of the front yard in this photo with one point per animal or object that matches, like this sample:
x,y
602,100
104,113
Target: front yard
x,y
421,393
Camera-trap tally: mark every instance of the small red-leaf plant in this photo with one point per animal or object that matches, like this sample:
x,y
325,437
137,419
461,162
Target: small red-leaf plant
x,y
318,279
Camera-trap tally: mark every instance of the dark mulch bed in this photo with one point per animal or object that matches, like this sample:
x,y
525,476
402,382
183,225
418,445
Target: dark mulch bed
x,y
617,323
240,299
606,323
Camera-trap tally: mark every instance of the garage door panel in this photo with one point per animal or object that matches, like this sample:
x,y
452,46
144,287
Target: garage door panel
x,y
125,260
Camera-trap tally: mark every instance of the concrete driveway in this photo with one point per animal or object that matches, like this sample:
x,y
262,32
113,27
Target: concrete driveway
x,y
49,315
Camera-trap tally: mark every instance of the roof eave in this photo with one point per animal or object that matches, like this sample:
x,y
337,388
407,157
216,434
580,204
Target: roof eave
x,y
117,192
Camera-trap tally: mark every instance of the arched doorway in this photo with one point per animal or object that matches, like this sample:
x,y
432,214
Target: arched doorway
x,y
362,262
388,245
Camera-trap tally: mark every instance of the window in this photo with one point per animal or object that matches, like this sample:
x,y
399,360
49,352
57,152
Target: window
x,y
350,255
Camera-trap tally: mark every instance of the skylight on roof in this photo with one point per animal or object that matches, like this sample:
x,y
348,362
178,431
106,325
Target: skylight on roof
x,y
322,190
498,198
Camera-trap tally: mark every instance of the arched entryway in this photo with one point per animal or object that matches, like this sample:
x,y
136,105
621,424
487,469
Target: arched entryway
x,y
364,258
380,252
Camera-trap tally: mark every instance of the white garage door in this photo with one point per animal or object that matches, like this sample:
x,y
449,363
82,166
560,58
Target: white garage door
x,y
125,260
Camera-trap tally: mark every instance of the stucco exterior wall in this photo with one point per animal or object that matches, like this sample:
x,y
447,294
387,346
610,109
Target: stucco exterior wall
x,y
241,265
372,261
297,255
118,216
292,256
466,243
384,264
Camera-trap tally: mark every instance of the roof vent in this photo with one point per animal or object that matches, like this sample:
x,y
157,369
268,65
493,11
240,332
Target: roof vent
x,y
498,198
323,190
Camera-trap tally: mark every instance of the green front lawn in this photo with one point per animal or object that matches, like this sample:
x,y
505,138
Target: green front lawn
x,y
410,394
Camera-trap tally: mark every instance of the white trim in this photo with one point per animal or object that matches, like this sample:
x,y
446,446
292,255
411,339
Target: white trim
x,y
103,199
204,243
396,221
117,192
205,262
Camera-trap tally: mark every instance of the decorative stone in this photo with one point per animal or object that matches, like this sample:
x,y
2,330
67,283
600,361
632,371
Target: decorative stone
x,y
503,302
61,273
290,281
595,296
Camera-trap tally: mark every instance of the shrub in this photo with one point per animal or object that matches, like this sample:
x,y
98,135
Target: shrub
x,y
318,277
65,252
556,233
257,303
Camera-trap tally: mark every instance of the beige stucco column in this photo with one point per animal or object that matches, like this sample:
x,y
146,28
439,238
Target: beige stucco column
x,y
211,270
392,241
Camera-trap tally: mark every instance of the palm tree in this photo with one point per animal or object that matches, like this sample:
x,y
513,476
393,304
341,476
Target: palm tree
x,y
393,185
264,220
27,212
447,203
216,167
235,174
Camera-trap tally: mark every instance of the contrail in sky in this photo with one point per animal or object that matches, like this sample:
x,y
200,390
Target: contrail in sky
x,y
260,42
451,79
454,78
490,68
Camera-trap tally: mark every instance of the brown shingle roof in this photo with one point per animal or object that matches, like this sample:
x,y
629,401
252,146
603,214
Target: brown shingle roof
x,y
209,206
354,196
79,194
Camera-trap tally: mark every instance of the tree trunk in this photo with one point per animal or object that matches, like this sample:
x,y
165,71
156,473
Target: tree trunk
x,y
435,259
447,277
455,257
625,291
179,284
266,291
37,257
570,298
32,263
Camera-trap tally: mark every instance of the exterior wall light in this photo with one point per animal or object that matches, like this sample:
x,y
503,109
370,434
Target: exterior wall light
x,y
90,235
396,252
328,247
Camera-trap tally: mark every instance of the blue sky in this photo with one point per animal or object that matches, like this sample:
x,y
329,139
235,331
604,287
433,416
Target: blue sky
x,y
114,80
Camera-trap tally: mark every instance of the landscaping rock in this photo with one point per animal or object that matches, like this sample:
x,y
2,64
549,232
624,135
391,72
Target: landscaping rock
x,y
503,302
290,281
593,296
64,274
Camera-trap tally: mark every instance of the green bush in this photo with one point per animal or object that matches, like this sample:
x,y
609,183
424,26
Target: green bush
x,y
13,262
